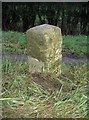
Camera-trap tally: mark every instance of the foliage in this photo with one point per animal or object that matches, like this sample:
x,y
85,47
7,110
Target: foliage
x,y
14,42
26,95
73,46
24,98
70,17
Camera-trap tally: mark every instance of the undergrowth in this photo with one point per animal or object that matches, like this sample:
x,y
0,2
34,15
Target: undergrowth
x,y
25,98
73,46
26,95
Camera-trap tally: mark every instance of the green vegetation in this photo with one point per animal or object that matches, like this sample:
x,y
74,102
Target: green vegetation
x,y
70,17
16,43
75,46
26,95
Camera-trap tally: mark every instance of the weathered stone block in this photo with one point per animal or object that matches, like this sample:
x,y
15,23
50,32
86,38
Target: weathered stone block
x,y
35,65
45,44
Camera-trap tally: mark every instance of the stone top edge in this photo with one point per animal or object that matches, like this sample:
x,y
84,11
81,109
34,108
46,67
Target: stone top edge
x,y
41,26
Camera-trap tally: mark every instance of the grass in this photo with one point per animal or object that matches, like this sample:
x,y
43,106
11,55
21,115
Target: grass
x,y
25,98
16,43
75,46
26,95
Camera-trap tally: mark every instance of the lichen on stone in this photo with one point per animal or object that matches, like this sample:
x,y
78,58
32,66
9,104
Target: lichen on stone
x,y
45,44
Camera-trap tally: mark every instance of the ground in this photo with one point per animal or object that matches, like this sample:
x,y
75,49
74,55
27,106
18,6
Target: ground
x,y
26,95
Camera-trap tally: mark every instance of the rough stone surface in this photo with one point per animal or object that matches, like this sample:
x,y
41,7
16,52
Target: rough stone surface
x,y
35,65
45,44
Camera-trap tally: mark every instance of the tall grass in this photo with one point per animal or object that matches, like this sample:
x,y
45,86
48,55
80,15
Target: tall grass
x,y
27,96
22,97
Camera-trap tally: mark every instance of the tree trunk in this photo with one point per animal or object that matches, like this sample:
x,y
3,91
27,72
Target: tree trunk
x,y
62,22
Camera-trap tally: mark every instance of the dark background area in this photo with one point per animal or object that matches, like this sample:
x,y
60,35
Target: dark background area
x,y
72,18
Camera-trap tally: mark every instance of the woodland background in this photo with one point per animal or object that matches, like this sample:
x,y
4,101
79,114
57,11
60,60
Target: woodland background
x,y
72,18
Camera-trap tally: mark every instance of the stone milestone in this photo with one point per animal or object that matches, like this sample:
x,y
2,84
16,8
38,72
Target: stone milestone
x,y
45,45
